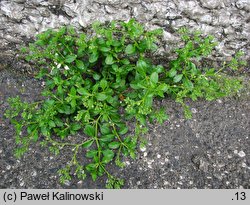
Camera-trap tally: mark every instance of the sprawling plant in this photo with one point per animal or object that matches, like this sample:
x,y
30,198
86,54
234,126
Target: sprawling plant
x,y
97,81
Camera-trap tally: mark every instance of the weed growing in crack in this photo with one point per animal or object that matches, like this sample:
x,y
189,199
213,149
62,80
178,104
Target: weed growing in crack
x,y
97,82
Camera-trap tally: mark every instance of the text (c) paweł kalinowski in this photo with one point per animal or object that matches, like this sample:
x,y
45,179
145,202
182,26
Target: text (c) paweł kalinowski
x,y
61,196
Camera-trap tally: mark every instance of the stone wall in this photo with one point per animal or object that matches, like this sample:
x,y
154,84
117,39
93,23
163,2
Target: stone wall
x,y
228,20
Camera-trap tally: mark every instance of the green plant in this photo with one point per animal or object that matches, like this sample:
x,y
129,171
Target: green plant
x,y
96,82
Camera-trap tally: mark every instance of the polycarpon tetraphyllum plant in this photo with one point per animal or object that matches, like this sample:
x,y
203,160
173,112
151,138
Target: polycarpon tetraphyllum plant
x,y
96,82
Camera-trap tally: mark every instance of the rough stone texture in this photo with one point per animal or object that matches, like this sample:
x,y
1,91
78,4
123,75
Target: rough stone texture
x,y
228,20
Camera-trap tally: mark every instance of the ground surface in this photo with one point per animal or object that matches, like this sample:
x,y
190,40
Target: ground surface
x,y
212,150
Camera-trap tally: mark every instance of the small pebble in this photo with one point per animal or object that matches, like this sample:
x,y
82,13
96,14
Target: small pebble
x,y
149,166
8,167
67,183
166,160
127,162
177,157
34,173
150,161
80,182
158,156
242,154
166,183
219,101
143,149
193,110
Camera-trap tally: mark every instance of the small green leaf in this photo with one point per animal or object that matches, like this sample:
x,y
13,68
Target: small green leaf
x,y
89,130
163,87
91,167
107,138
108,155
80,65
93,57
154,77
91,153
114,145
94,175
35,135
130,49
76,126
105,130
148,101
70,58
125,61
105,49
123,131
83,91
178,78
44,131
103,84
101,96
52,124
172,73
87,144
188,84
109,60
141,64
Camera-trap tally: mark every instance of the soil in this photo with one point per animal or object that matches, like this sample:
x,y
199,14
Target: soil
x,y
212,150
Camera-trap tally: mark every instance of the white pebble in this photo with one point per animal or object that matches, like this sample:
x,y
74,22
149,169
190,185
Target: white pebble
x,y
219,101
242,154
166,182
34,173
67,183
127,163
193,110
